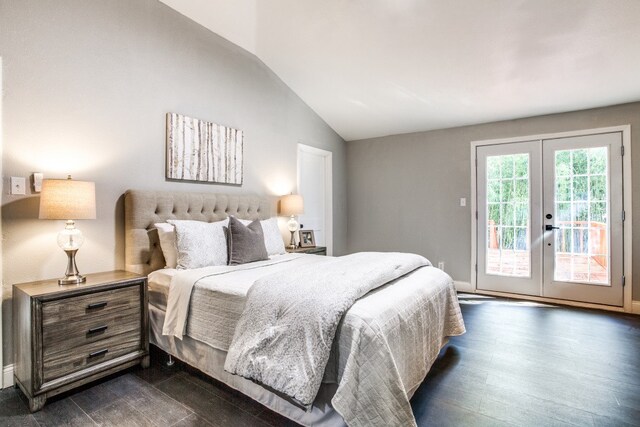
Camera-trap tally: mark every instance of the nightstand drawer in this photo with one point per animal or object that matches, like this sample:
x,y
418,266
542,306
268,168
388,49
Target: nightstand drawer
x,y
83,330
60,338
68,360
85,308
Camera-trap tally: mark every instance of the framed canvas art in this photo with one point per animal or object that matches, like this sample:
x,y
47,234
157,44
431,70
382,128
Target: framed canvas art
x,y
201,151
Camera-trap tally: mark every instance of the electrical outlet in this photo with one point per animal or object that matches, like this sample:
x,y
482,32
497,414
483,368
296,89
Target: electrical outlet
x,y
463,201
18,184
441,265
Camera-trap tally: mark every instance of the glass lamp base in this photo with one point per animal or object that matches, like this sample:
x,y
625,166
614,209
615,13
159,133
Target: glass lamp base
x,y
293,226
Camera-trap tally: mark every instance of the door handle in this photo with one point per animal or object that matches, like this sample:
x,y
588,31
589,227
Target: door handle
x,y
549,227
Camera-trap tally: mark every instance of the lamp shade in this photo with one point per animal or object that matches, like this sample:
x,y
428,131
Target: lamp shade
x,y
291,204
67,199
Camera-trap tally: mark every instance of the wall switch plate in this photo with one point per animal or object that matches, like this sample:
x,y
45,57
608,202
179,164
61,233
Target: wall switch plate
x,y
18,185
463,201
441,265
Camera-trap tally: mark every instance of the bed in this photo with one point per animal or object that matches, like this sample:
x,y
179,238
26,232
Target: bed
x,y
384,344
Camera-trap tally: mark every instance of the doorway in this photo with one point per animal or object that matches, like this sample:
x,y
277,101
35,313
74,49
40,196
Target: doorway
x,y
315,184
550,218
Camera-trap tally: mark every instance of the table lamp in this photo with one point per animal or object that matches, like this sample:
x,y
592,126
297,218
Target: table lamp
x,y
69,200
292,205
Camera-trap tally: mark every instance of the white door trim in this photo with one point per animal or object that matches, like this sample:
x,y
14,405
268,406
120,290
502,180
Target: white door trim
x,y
328,188
627,206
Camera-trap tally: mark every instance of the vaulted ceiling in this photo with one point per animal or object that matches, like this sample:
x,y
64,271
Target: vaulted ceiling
x,y
378,67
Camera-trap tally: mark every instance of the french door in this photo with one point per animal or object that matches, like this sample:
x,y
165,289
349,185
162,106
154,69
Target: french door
x,y
550,218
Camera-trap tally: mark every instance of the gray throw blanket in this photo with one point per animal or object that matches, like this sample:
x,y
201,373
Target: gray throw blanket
x,y
284,336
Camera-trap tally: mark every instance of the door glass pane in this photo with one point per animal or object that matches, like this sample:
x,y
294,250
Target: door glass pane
x,y
581,201
508,210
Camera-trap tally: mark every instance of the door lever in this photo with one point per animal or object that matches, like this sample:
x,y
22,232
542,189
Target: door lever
x,y
549,227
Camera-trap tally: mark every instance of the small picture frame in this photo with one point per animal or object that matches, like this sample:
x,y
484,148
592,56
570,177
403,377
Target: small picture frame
x,y
307,239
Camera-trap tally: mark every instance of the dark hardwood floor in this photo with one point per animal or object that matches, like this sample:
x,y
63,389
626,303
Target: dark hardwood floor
x,y
519,363
530,364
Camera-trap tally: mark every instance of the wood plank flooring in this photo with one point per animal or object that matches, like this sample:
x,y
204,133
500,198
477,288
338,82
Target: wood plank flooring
x,y
530,364
520,363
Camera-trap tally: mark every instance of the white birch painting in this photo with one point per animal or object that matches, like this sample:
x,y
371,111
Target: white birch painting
x,y
203,151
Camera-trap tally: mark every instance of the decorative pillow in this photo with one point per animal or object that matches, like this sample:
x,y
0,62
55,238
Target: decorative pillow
x,y
200,244
246,243
167,236
272,236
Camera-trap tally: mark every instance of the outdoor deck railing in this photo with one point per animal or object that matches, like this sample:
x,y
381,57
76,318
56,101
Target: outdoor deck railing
x,y
597,239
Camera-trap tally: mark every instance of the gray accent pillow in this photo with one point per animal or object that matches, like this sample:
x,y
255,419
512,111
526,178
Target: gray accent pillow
x,y
246,243
272,238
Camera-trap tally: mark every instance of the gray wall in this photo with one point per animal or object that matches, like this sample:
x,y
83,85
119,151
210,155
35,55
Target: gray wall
x,y
404,190
87,84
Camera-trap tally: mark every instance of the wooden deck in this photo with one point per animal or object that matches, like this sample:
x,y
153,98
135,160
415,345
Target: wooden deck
x,y
569,267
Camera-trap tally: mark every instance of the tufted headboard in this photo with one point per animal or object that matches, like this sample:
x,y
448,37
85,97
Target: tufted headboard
x,y
142,209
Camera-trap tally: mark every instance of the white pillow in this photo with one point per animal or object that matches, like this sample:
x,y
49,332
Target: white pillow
x,y
167,235
200,244
272,237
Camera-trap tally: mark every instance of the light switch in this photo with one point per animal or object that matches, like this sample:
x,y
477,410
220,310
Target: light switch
x,y
18,184
37,182
463,201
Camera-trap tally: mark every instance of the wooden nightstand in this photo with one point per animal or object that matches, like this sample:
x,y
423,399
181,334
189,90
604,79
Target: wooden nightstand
x,y
317,250
66,336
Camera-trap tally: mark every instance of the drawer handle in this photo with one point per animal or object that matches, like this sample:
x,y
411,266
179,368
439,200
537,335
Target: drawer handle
x,y
98,353
97,329
97,305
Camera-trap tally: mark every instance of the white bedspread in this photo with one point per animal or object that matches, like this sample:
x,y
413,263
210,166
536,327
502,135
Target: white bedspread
x,y
387,343
384,346
285,334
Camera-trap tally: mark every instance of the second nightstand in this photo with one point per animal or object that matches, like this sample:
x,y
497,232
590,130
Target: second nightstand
x,y
68,335
316,250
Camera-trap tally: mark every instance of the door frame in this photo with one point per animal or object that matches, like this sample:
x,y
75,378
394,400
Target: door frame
x,y
328,188
627,207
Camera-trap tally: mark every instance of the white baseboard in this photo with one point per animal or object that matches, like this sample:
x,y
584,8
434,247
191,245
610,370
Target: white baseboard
x,y
7,376
635,307
463,286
